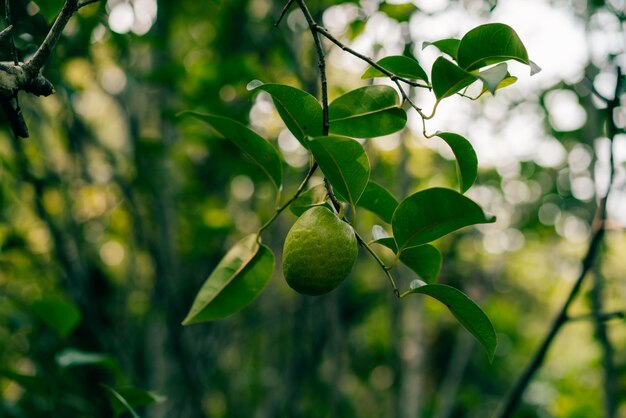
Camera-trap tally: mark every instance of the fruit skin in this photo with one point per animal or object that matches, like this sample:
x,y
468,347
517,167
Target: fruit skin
x,y
319,252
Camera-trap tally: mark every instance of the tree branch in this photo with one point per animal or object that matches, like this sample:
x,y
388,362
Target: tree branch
x,y
598,228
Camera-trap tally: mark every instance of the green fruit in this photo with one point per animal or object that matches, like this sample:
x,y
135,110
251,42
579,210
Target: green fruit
x,y
319,252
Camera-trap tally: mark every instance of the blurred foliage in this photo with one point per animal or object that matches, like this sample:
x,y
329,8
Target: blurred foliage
x,y
115,211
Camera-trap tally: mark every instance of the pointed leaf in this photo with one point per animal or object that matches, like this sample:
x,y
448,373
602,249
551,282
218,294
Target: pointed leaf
x,y
430,214
507,81
235,260
467,162
242,290
388,242
379,200
60,314
72,357
344,163
489,44
400,65
252,144
492,77
448,46
300,111
367,112
315,196
448,78
136,398
120,401
466,311
424,260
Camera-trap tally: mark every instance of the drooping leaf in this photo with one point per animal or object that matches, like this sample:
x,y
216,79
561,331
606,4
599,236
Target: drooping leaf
x,y
448,78
315,196
367,112
424,260
60,314
489,44
467,162
466,311
135,398
432,213
344,163
492,77
448,46
378,200
400,65
229,267
252,144
300,111
242,290
507,81
399,12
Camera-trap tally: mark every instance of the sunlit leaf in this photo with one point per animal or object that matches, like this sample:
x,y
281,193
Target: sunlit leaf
x,y
300,111
507,81
315,196
344,163
60,314
399,65
378,200
448,78
424,260
252,144
489,44
367,112
432,213
492,77
242,290
467,162
448,46
466,311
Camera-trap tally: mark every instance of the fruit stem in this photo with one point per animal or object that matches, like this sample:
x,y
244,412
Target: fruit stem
x,y
380,263
280,209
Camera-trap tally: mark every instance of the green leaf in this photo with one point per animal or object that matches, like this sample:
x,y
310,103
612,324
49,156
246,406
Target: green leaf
x,y
492,77
252,144
379,200
71,357
432,213
229,268
507,81
367,112
315,196
388,242
242,290
121,400
134,397
466,311
448,78
490,44
344,163
424,260
467,162
60,314
399,12
300,111
448,46
399,65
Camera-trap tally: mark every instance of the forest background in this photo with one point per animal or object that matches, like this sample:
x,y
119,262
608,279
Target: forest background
x,y
115,210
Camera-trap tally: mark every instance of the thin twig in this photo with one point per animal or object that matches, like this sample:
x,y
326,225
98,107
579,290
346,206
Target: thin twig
x,y
598,228
283,12
600,317
380,262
